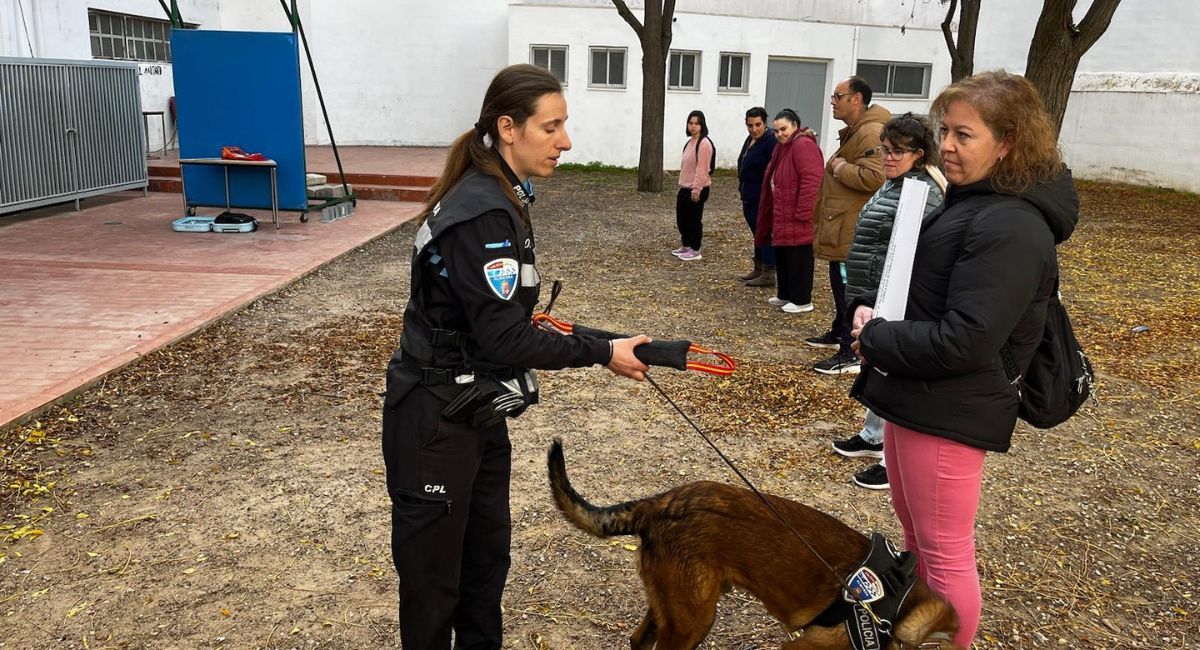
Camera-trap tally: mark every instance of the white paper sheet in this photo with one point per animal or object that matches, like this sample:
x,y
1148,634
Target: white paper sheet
x,y
892,300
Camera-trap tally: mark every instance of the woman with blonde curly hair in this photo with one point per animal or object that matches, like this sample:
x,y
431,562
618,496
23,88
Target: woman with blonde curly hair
x,y
984,268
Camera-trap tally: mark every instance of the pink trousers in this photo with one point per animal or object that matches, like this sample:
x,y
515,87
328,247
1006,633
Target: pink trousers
x,y
935,486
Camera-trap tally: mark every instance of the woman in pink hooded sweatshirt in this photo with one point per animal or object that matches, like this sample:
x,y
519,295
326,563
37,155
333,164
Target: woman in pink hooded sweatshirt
x,y
694,181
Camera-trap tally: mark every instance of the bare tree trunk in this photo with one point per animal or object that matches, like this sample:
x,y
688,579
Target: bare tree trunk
x,y
962,53
655,37
1057,46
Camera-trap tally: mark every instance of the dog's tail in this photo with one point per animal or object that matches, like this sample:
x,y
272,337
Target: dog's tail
x,y
621,519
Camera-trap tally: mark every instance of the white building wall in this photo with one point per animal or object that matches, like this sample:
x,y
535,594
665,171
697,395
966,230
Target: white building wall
x,y
392,73
605,123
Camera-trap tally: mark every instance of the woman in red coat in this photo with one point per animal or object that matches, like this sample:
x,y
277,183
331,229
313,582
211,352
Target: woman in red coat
x,y
786,208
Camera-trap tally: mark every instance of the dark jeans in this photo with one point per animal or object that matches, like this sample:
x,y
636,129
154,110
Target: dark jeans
x,y
451,528
689,217
794,273
762,254
841,319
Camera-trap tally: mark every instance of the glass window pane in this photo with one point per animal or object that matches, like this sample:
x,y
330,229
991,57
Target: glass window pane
x,y
599,67
118,24
106,48
673,71
168,46
540,57
735,72
687,76
119,48
616,69
96,46
876,76
93,22
558,64
723,73
908,80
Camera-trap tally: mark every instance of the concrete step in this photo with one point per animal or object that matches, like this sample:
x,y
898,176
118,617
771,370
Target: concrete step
x,y
370,187
329,191
391,193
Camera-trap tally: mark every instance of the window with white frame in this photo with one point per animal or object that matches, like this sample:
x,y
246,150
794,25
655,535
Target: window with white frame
x,y
132,38
552,58
735,72
683,70
607,67
896,79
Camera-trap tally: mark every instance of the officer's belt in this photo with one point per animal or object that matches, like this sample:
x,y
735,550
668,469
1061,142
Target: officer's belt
x,y
459,376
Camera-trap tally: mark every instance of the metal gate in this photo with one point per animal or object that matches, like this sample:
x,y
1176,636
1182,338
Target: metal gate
x,y
801,86
68,130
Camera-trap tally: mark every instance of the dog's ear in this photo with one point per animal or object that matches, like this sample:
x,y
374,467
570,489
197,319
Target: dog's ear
x,y
928,616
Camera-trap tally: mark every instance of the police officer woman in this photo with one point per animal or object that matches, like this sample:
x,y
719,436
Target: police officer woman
x,y
463,366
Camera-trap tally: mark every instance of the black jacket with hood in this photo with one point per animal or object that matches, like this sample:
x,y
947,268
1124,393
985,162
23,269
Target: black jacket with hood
x,y
977,283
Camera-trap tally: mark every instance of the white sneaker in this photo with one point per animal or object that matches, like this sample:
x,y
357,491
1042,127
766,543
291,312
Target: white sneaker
x,y
689,255
679,251
793,308
776,302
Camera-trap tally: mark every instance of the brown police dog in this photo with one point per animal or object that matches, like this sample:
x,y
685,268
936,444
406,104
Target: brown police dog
x,y
700,539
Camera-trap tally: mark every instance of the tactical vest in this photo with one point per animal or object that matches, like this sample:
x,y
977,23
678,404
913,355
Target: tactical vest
x,y
432,355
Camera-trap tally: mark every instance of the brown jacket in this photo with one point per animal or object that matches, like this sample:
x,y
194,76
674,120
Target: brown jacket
x,y
843,195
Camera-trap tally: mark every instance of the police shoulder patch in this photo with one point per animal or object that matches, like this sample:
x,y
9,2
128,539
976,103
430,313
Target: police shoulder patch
x,y
501,276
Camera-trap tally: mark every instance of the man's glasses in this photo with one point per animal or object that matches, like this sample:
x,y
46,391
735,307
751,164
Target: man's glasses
x,y
838,96
897,154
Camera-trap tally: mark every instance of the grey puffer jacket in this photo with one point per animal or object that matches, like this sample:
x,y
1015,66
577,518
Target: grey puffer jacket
x,y
868,251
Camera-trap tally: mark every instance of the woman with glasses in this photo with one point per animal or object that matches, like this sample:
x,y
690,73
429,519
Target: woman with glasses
x,y
908,150
984,270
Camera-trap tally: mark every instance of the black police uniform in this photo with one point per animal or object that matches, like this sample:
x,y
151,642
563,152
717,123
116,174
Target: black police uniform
x,y
462,366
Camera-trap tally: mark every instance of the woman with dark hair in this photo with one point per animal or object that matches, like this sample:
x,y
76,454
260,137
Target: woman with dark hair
x,y
908,149
785,212
752,167
694,182
463,365
984,269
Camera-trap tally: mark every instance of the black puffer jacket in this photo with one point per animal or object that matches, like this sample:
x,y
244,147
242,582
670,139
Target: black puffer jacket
x,y
977,283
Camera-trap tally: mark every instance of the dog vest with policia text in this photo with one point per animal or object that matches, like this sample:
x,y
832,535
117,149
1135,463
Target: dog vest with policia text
x,y
443,360
883,581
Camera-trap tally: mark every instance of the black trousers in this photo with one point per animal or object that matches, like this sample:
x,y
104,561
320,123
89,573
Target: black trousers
x,y
451,527
689,217
794,273
841,319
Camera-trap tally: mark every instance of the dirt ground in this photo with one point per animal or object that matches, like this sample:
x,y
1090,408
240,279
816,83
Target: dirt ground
x,y
228,491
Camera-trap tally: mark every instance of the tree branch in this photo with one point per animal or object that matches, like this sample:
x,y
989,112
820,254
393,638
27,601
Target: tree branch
x,y
623,9
1094,24
946,31
668,14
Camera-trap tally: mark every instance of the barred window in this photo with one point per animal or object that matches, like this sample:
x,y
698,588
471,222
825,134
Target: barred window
x,y
131,38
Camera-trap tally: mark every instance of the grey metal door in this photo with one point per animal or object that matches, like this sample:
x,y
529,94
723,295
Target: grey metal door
x,y
37,160
102,121
800,86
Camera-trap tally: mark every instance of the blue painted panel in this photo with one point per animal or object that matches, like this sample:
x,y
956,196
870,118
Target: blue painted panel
x,y
240,89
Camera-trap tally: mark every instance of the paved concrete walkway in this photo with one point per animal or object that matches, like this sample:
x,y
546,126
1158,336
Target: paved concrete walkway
x,y
84,293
